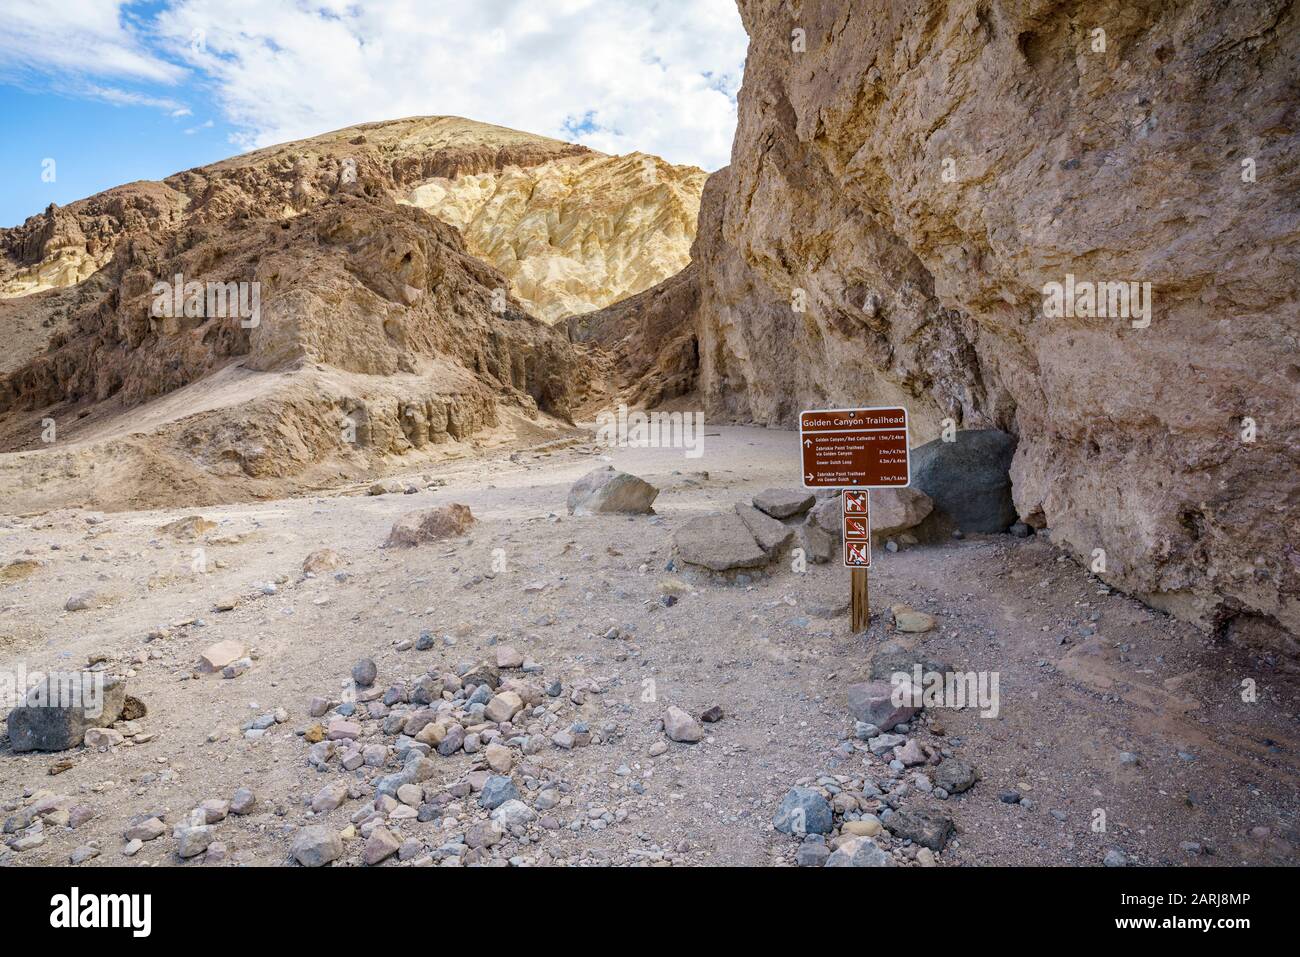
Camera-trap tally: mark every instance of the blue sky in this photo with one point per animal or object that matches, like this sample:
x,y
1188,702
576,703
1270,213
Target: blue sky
x,y
94,146
113,90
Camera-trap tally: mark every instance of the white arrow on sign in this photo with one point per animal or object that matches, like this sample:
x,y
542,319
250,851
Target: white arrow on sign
x,y
807,442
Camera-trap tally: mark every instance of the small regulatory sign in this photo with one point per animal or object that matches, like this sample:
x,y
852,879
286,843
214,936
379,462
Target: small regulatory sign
x,y
857,554
857,528
859,448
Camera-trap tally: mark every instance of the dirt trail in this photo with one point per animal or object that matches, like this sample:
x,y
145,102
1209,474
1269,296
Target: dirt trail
x,y
776,654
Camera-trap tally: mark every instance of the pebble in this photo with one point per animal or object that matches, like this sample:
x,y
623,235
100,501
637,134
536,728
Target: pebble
x,y
681,727
316,845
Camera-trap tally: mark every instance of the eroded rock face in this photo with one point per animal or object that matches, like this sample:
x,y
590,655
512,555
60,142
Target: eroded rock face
x,y
570,229
380,332
377,335
576,233
903,191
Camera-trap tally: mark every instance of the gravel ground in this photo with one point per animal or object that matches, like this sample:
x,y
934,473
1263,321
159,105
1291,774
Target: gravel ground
x,y
1104,704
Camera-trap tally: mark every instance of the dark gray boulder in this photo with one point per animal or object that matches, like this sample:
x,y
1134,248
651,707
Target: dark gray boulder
x,y
969,479
57,713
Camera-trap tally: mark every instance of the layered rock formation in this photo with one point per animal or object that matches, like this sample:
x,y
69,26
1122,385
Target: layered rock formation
x,y
577,233
571,230
373,333
907,181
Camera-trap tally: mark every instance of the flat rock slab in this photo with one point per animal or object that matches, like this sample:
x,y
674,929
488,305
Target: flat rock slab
x,y
430,525
770,534
719,543
910,620
609,491
784,502
215,657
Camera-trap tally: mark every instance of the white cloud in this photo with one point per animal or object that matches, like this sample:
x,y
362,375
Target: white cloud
x,y
617,75
77,38
111,94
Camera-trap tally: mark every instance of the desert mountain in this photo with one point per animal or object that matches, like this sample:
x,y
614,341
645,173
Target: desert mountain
x,y
572,230
904,191
377,333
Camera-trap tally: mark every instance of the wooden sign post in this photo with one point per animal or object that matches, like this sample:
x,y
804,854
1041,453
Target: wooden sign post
x,y
859,600
856,526
856,450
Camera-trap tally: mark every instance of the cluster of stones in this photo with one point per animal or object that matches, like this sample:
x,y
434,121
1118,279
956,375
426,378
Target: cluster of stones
x,y
755,534
388,741
872,819
194,833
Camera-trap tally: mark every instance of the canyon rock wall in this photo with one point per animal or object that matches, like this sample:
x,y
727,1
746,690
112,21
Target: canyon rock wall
x,y
908,179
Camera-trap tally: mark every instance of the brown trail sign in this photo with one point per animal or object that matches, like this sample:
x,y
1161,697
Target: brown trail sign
x,y
855,448
861,449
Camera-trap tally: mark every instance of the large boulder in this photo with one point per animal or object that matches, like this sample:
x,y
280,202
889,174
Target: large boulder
x,y
430,525
895,510
57,713
608,490
720,543
969,479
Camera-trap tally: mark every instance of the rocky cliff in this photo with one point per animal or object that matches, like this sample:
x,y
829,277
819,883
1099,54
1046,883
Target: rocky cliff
x,y
318,328
909,180
570,229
